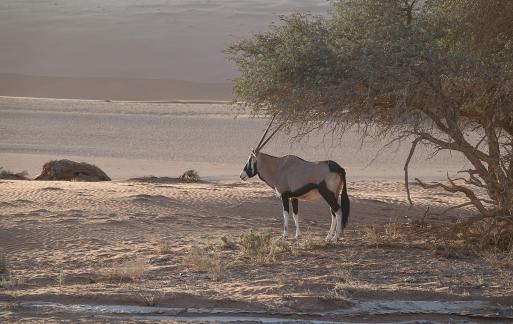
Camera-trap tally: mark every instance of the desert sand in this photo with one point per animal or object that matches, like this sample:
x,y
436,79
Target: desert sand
x,y
104,251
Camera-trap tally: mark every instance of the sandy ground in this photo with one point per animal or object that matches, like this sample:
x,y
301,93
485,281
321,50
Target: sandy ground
x,y
64,240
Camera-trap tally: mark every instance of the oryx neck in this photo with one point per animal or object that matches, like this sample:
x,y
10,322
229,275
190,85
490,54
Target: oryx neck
x,y
267,166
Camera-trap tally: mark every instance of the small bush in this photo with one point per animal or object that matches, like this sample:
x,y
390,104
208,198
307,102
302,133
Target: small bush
x,y
190,176
260,247
201,260
127,271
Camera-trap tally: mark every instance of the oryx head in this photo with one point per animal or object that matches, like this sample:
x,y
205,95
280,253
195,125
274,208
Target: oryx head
x,y
250,169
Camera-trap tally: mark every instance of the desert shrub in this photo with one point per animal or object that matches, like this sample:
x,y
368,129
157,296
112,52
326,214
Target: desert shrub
x,y
201,260
261,247
190,176
9,175
127,271
226,243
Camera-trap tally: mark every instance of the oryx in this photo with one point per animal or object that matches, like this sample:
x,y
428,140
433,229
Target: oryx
x,y
294,178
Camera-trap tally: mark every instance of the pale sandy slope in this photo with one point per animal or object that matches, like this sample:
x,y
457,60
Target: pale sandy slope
x,y
142,50
164,139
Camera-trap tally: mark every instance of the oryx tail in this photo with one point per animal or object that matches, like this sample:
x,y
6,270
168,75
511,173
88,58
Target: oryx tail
x,y
344,200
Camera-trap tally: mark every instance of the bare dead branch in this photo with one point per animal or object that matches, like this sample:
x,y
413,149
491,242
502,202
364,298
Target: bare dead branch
x,y
456,188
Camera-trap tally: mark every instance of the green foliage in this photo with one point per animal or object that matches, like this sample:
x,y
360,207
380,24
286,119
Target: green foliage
x,y
379,61
435,71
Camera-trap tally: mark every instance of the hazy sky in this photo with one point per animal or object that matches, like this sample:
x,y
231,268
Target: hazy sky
x,y
174,39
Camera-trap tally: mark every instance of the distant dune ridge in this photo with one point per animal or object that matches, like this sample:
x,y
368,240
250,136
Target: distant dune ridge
x,y
19,85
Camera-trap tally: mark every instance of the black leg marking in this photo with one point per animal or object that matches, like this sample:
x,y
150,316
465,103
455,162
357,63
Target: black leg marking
x,y
329,196
295,206
285,202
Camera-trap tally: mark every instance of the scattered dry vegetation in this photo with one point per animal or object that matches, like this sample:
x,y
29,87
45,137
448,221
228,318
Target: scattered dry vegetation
x,y
127,271
4,269
190,176
261,247
390,233
150,294
202,260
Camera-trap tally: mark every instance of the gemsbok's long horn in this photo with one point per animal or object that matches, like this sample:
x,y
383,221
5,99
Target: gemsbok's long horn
x,y
258,147
270,136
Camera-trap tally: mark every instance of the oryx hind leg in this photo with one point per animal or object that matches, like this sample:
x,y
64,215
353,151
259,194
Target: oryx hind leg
x,y
286,206
331,232
295,214
336,212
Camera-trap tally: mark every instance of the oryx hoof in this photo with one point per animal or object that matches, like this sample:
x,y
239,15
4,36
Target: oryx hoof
x,y
285,235
298,233
329,237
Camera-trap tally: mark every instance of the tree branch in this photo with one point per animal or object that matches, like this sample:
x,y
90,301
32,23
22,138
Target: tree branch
x,y
406,182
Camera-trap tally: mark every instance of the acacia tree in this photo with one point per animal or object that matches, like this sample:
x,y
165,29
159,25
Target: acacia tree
x,y
437,72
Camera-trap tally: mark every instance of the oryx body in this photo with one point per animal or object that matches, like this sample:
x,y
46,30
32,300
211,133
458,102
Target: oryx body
x,y
295,179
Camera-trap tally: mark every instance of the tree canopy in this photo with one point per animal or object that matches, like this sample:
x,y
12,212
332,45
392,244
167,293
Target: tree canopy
x,y
436,71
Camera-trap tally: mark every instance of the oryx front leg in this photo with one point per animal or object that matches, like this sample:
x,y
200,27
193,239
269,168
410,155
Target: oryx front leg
x,y
295,214
285,201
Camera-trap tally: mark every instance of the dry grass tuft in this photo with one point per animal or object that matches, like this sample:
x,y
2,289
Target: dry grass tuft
x,y
445,249
150,294
190,176
165,248
260,247
201,260
392,232
226,243
59,278
498,259
4,267
127,271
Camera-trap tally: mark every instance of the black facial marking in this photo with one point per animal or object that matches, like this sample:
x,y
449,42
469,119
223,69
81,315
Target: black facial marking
x,y
251,171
